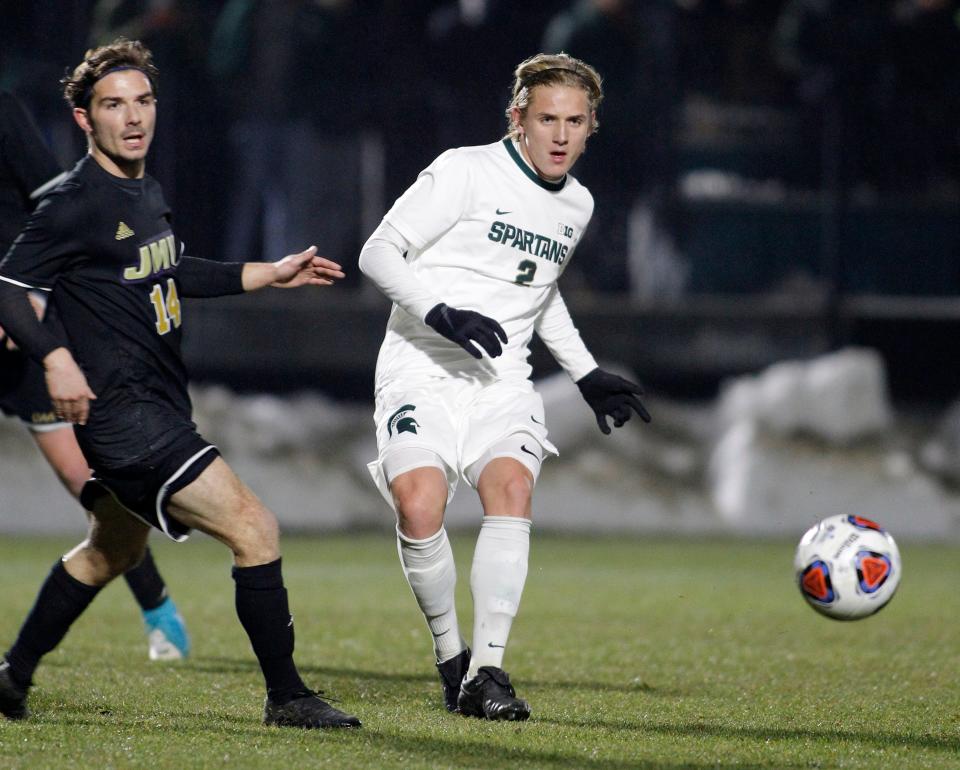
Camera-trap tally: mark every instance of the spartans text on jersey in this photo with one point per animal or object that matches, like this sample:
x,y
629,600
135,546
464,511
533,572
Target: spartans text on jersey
x,y
529,242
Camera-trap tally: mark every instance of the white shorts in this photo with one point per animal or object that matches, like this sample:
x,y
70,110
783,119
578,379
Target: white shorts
x,y
458,422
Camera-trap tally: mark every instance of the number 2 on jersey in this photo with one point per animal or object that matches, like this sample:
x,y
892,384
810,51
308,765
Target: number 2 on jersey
x,y
167,308
527,269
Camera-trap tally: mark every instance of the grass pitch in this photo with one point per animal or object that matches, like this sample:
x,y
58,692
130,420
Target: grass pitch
x,y
633,654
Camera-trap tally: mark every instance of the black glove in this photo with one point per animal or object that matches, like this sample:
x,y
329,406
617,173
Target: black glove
x,y
465,327
611,395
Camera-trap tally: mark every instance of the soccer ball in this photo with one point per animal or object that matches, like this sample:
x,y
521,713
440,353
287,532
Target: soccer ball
x,y
847,567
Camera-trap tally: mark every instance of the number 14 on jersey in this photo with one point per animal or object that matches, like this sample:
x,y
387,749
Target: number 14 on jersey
x,y
166,307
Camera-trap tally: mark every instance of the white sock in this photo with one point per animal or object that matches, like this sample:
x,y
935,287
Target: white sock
x,y
429,568
496,582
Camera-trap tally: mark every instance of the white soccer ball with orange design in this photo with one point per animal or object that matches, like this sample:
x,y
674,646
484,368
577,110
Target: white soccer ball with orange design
x,y
847,567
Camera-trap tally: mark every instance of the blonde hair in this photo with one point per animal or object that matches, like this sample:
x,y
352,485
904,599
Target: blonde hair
x,y
553,69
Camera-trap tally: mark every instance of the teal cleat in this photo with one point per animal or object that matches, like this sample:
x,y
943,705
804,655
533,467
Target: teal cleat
x,y
166,632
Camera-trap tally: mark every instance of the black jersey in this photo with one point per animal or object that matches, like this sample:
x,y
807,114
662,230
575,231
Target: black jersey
x,y
27,169
104,247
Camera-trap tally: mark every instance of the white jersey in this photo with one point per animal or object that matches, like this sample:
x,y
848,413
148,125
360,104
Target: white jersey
x,y
487,234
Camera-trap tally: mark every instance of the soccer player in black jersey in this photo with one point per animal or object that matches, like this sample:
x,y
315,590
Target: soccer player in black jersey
x,y
102,244
28,171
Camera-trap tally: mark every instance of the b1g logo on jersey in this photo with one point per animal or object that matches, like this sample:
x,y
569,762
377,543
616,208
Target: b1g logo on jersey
x,y
157,257
564,231
402,421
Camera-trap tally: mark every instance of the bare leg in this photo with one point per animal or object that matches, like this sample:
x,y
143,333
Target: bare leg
x,y
221,505
497,578
420,497
114,544
61,451
167,636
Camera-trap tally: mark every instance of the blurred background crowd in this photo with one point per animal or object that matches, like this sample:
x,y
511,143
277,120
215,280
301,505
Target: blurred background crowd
x,y
807,149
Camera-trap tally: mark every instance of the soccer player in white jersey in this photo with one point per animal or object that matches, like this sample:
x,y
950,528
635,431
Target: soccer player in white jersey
x,y
470,255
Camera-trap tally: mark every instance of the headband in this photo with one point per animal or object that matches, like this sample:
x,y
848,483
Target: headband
x,y
88,91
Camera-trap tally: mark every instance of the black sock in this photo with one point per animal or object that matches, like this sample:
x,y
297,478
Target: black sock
x,y
265,615
61,600
146,584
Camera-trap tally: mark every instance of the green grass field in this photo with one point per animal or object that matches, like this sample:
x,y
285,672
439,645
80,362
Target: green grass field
x,y
633,653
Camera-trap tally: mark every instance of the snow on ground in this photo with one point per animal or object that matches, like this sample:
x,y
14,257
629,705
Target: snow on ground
x,y
775,452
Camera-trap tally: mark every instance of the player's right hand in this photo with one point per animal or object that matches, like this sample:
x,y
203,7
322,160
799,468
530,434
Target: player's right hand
x,y
69,391
468,329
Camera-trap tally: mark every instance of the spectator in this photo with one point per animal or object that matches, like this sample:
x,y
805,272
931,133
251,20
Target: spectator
x,y
926,50
294,71
838,54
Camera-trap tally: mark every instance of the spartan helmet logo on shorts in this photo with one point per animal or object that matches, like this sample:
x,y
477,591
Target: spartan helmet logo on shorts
x,y
402,421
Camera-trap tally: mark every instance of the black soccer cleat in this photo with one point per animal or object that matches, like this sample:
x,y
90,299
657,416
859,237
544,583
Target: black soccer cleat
x,y
451,676
489,695
306,710
13,697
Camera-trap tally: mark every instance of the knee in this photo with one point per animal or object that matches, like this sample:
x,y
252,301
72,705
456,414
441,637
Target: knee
x,y
107,562
128,560
515,494
419,512
255,534
518,490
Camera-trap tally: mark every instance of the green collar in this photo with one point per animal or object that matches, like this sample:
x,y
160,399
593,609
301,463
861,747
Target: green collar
x,y
525,168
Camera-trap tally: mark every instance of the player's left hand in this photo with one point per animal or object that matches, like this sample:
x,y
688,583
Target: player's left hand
x,y
69,392
304,269
608,394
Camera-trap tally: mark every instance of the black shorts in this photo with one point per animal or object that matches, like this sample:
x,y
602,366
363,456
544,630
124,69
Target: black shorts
x,y
145,487
23,393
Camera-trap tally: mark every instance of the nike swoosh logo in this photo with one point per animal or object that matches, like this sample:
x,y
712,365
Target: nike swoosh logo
x,y
534,419
491,644
501,213
523,448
